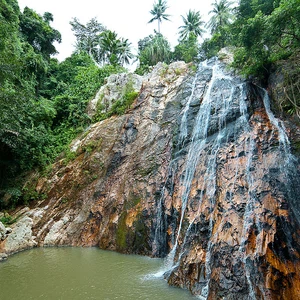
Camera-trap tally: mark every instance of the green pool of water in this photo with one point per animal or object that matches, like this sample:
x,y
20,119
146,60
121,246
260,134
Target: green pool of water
x,y
83,273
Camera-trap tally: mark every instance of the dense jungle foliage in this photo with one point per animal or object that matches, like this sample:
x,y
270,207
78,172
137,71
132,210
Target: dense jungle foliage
x,y
43,101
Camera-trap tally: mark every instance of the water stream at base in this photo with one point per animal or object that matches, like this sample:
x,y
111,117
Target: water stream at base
x,y
67,273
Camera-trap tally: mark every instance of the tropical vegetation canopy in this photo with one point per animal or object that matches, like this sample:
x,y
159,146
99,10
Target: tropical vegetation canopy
x,y
43,101
222,15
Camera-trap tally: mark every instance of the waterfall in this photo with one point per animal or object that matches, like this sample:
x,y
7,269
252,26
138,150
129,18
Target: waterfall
x,y
279,126
218,102
195,94
160,228
286,169
199,143
289,167
223,96
221,122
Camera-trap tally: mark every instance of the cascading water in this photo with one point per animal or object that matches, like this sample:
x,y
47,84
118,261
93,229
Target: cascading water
x,y
289,167
160,228
195,93
220,132
217,99
199,137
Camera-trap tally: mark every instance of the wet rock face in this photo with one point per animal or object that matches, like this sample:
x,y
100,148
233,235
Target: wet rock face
x,y
198,169
238,195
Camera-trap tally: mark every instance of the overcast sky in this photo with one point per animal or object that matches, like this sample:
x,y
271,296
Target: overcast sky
x,y
129,18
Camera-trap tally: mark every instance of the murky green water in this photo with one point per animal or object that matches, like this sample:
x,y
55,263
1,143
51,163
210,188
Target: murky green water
x,y
83,273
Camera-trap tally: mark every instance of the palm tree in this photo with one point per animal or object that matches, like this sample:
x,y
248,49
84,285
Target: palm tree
x,y
192,25
154,49
87,36
158,50
107,47
113,50
222,15
158,12
124,51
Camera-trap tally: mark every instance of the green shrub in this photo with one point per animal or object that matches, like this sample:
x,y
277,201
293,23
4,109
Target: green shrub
x,y
120,106
8,220
69,156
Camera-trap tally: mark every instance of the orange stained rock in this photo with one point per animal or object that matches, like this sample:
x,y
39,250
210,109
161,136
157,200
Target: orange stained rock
x,y
132,215
284,272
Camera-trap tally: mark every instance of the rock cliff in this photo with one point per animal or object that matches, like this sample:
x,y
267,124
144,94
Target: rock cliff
x,y
198,170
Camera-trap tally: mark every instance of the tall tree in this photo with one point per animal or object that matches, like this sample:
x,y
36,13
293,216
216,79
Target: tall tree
x,y
36,30
192,25
153,49
113,50
26,45
87,36
38,45
158,12
249,8
222,15
124,52
10,53
257,49
108,45
10,46
187,49
102,45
